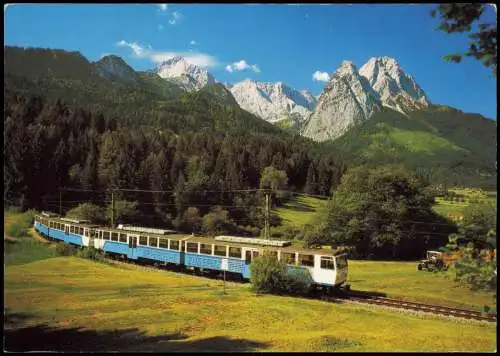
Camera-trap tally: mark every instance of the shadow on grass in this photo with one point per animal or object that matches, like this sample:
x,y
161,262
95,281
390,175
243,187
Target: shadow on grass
x,y
299,207
20,338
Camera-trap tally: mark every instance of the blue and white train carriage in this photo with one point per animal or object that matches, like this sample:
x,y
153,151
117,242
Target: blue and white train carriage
x,y
327,268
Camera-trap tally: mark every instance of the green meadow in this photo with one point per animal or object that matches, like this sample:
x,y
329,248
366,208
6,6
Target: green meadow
x,y
73,304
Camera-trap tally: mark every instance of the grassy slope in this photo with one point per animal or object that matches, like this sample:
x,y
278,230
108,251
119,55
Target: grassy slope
x,y
104,298
298,211
455,210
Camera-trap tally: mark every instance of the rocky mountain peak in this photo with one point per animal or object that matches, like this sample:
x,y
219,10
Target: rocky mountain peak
x,y
112,66
188,76
397,89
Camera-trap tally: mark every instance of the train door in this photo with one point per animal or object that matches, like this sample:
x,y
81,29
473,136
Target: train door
x,y
182,254
132,246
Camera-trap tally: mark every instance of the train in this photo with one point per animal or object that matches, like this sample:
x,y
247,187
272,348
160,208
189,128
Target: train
x,y
327,268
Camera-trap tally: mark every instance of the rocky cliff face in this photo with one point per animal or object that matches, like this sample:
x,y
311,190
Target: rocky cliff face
x,y
273,101
346,100
352,96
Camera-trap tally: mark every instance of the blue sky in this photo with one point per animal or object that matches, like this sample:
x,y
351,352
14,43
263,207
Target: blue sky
x,y
287,43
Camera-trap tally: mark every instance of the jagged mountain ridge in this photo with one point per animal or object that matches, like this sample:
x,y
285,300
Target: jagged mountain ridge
x,y
186,75
273,101
353,96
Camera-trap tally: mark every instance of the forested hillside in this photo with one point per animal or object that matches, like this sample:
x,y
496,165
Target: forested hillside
x,y
443,144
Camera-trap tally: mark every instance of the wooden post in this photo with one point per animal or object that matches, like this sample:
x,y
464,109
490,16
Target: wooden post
x,y
224,284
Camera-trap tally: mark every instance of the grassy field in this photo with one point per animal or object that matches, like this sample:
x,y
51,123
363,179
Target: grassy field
x,y
403,280
455,209
69,303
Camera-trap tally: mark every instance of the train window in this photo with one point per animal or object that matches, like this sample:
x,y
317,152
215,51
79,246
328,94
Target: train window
x,y
106,235
123,237
235,252
80,229
114,236
72,229
220,250
206,249
164,243
192,247
143,240
153,241
327,262
174,245
288,258
86,232
341,261
306,260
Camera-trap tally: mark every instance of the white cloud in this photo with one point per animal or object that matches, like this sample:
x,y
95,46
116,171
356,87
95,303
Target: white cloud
x,y
138,50
321,76
242,65
193,43
160,27
196,58
163,7
176,16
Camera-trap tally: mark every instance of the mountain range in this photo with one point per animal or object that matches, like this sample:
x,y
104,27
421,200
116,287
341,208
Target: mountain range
x,y
377,114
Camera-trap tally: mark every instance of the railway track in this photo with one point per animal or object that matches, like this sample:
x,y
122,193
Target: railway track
x,y
421,307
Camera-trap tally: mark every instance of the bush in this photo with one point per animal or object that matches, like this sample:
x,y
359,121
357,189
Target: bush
x,y
217,222
268,275
20,226
298,281
87,211
90,253
63,249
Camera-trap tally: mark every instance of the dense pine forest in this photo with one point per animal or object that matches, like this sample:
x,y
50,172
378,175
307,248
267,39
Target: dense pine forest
x,y
50,144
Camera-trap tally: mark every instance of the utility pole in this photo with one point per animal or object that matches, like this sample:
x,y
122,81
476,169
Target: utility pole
x,y
112,210
60,202
267,225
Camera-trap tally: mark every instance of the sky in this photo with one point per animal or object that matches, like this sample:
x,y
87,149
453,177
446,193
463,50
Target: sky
x,y
299,45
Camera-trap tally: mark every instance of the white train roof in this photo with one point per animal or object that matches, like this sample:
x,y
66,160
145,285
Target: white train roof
x,y
249,240
145,229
